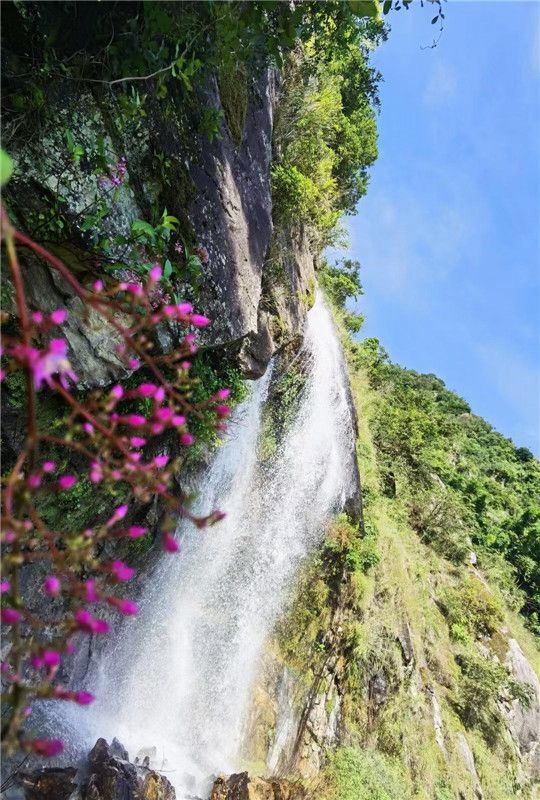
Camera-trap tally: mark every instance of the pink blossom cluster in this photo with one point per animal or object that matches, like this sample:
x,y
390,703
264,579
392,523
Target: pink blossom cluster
x,y
116,176
130,437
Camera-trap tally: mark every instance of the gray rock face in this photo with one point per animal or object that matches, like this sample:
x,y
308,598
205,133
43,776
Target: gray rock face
x,y
288,289
468,760
92,341
231,212
227,205
523,721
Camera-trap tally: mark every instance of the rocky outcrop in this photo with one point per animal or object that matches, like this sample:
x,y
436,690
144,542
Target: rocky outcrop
x,y
107,775
217,186
524,717
243,787
467,758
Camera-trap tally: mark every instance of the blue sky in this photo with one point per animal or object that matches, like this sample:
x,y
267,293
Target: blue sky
x,y
449,233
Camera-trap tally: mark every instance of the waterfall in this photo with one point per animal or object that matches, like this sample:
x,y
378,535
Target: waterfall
x,y
178,678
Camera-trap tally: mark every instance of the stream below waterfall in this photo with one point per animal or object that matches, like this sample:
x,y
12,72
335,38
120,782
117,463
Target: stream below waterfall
x,y
175,682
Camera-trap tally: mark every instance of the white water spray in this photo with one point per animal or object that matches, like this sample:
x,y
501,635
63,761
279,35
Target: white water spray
x,y
179,677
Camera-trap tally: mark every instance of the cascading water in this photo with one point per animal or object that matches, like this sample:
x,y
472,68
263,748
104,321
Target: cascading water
x,y
179,677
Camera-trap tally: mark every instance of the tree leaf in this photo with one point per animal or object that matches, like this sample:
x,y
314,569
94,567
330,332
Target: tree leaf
x,y
139,226
6,167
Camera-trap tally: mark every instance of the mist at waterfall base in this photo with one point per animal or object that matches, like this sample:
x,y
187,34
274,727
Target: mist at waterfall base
x,y
178,678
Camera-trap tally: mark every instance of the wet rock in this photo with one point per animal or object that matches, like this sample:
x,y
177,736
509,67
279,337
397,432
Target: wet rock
x,y
114,778
107,775
242,787
49,783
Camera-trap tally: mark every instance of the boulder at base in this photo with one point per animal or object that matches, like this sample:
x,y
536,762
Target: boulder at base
x,y
242,787
107,775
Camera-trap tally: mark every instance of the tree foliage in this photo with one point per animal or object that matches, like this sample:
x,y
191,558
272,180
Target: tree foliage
x,y
430,441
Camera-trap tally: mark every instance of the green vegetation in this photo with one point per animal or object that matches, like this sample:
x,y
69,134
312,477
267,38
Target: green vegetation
x,y
364,775
325,132
399,618
456,473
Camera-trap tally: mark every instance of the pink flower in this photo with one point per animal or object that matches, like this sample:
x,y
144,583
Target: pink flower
x,y
89,624
169,543
37,317
186,438
121,571
118,514
223,394
117,392
137,441
5,586
222,410
134,363
7,537
155,273
96,475
178,420
67,481
34,481
178,248
127,607
51,658
161,461
51,585
48,466
59,316
88,427
199,321
134,531
90,591
98,286
44,364
184,309
47,747
135,420
135,289
185,364
9,616
83,698
146,390
163,414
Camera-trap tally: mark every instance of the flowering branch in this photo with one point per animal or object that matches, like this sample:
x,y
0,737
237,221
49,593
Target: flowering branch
x,y
114,433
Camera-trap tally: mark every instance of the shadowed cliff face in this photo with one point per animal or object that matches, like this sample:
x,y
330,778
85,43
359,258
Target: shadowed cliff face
x,y
220,190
